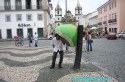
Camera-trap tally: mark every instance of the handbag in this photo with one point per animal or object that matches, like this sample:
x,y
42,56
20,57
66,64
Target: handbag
x,y
91,41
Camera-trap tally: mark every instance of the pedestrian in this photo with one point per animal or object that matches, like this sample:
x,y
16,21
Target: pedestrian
x,y
57,48
36,39
30,39
89,40
66,47
84,42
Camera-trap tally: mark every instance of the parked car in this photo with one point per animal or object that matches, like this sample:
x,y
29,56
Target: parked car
x,y
111,36
123,36
120,35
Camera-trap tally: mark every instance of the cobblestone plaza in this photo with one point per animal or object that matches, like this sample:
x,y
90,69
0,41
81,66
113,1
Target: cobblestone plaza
x,y
30,64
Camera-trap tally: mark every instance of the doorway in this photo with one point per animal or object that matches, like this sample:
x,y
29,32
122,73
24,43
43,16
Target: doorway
x,y
30,31
9,33
20,32
40,32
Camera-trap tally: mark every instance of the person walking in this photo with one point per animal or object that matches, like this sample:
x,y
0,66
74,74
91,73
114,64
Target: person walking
x,y
36,39
84,42
57,48
89,39
30,39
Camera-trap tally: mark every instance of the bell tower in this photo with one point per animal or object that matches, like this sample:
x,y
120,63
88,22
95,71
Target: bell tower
x,y
58,14
78,11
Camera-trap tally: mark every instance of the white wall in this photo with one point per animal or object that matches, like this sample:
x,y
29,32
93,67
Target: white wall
x,y
12,4
82,20
60,18
14,24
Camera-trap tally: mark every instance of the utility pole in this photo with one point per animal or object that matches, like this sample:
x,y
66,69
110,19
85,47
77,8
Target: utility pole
x,y
66,21
66,10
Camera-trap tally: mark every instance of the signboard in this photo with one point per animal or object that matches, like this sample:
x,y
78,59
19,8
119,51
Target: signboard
x,y
24,25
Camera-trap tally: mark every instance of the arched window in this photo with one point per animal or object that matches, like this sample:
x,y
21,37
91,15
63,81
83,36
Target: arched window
x,y
57,12
78,11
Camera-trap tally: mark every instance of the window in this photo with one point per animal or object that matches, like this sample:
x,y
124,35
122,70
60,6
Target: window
x,y
58,18
109,17
115,16
105,8
39,4
109,6
109,29
115,4
78,11
19,17
101,11
29,17
112,16
18,4
7,4
57,12
7,18
28,4
112,5
40,17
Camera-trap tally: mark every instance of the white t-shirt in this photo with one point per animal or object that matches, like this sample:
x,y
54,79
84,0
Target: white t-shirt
x,y
36,37
90,37
84,40
58,45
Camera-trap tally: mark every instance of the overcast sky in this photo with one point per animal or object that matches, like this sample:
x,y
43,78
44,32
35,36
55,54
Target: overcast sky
x,y
87,5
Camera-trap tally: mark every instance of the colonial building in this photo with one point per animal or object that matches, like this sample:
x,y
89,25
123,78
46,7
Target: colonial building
x,y
59,19
89,20
20,17
93,19
112,16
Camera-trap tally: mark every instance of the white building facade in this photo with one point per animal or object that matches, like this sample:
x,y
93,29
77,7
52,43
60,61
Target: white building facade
x,y
93,20
20,17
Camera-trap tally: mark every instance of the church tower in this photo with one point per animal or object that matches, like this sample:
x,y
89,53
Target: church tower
x,y
58,14
78,11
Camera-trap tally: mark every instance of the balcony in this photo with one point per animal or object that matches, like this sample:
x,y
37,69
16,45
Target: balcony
x,y
100,23
18,7
39,7
22,7
7,7
112,21
104,22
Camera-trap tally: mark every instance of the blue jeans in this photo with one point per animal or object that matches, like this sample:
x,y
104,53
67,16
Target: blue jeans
x,y
89,45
